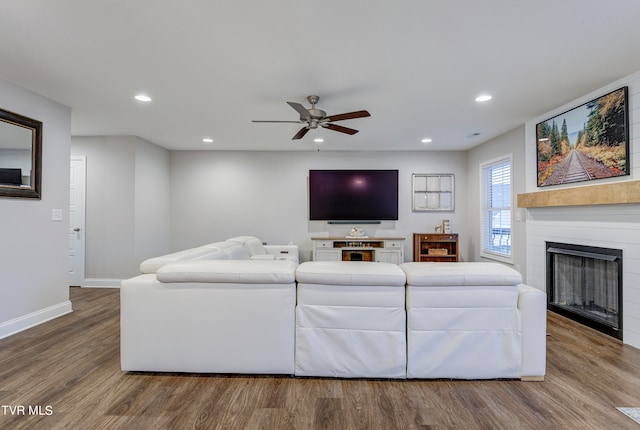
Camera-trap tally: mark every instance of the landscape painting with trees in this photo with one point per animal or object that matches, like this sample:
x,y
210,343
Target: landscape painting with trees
x,y
585,143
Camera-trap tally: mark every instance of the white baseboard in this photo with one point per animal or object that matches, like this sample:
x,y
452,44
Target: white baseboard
x,y
101,283
33,319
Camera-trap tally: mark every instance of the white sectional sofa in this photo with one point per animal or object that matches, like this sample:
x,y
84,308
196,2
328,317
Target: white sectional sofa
x,y
215,316
235,248
473,321
350,320
338,319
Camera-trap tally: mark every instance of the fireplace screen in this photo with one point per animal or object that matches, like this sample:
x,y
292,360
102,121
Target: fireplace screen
x,y
585,284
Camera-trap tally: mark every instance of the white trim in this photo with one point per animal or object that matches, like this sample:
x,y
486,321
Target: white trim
x,y
488,254
81,198
101,283
33,319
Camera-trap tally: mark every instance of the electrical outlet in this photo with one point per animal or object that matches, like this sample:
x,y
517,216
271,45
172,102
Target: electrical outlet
x,y
56,214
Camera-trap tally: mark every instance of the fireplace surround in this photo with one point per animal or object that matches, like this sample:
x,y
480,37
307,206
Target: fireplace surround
x,y
584,283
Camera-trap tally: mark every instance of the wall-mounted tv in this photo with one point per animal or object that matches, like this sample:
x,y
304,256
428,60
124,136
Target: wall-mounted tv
x,y
353,195
585,143
10,176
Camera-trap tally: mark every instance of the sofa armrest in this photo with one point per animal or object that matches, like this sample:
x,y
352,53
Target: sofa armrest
x,y
283,252
532,304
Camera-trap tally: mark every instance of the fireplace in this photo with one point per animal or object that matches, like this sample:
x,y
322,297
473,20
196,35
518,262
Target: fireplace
x,y
584,283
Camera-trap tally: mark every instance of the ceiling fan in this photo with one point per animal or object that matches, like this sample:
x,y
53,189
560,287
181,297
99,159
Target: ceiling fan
x,y
315,117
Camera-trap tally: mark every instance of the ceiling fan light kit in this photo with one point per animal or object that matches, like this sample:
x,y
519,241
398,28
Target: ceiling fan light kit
x,y
315,118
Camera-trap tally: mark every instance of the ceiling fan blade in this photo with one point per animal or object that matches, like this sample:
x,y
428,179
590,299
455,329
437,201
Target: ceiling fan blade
x,y
340,128
304,113
294,122
348,115
301,133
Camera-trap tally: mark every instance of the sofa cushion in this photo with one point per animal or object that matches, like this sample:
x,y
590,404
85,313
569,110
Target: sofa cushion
x,y
460,274
236,252
250,243
229,271
350,273
152,265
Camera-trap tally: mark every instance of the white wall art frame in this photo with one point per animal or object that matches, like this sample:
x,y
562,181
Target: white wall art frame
x,y
432,192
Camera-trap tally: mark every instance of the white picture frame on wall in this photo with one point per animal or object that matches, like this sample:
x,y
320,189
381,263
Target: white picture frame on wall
x,y
433,192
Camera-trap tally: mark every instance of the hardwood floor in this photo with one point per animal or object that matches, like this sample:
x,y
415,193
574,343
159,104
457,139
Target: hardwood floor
x,y
67,371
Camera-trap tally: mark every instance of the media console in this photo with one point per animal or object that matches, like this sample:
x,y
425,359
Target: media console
x,y
384,250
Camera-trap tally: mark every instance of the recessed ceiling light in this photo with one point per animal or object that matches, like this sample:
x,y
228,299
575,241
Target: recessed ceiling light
x,y
318,140
483,98
426,140
207,140
142,98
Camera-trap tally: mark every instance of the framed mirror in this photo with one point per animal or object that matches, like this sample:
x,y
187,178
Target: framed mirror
x,y
20,156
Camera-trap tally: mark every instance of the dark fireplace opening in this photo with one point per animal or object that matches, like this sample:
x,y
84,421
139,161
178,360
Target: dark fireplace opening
x,y
584,283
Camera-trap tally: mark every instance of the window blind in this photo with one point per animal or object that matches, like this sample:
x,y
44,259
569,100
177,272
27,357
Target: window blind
x,y
496,212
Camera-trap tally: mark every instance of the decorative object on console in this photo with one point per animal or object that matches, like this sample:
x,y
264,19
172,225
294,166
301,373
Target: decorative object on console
x,y
585,143
435,247
433,192
355,233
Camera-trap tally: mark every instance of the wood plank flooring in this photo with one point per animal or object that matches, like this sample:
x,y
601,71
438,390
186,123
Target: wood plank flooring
x,y
68,372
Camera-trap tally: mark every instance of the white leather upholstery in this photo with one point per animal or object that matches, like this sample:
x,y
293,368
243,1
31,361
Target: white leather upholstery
x,y
237,248
532,304
350,320
151,265
258,251
211,316
251,243
467,321
234,271
221,309
459,274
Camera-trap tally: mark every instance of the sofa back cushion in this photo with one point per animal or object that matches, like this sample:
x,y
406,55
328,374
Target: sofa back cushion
x,y
234,272
252,244
236,252
478,274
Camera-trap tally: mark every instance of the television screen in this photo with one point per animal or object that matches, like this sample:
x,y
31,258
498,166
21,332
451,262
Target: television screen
x,y
353,195
10,176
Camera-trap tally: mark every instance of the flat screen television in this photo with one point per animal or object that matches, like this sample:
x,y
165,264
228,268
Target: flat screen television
x,y
10,176
353,195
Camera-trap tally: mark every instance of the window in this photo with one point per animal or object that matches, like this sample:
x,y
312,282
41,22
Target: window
x,y
496,209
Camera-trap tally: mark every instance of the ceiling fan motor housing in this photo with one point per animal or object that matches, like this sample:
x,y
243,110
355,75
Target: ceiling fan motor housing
x,y
317,113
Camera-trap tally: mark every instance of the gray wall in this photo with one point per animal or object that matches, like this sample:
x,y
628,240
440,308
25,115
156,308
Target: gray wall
x,y
144,201
34,257
127,205
219,194
508,143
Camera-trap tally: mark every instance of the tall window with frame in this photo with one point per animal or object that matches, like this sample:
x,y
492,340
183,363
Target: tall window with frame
x,y
496,209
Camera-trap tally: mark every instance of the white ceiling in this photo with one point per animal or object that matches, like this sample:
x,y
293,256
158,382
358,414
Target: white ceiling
x,y
415,65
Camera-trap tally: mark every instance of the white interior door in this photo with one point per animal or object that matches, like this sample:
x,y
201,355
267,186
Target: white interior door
x,y
77,221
